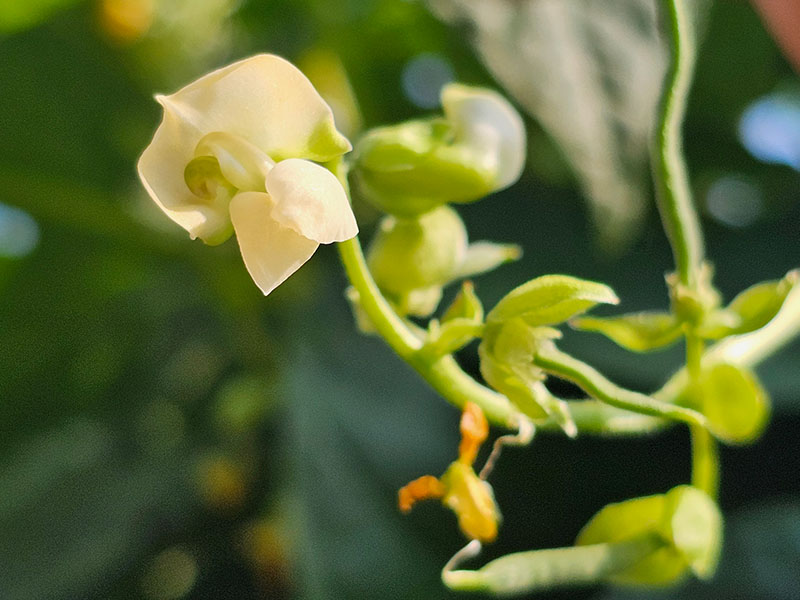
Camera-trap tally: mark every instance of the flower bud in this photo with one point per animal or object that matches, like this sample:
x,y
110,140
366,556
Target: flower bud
x,y
411,168
410,255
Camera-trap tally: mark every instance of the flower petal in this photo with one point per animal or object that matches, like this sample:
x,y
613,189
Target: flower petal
x,y
267,101
270,251
309,199
161,169
487,122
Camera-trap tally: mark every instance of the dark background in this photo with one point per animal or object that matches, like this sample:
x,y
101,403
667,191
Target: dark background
x,y
169,433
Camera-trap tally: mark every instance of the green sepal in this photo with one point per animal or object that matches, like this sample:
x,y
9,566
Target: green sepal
x,y
734,403
688,521
750,310
692,304
506,362
482,257
639,332
550,300
449,336
326,143
466,305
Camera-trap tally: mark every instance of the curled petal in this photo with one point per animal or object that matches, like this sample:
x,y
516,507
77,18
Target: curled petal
x,y
310,200
271,252
489,124
242,163
161,169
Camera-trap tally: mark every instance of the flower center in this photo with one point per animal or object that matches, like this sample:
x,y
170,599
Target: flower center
x,y
224,164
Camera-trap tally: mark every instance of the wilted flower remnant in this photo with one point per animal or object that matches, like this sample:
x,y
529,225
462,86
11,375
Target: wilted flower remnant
x,y
460,488
234,153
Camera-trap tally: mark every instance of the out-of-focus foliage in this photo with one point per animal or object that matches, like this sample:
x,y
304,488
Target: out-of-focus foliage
x,y
590,73
169,433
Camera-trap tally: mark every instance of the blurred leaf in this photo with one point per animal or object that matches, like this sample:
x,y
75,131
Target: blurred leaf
x,y
735,404
751,309
76,509
759,560
640,332
687,519
625,520
590,72
16,15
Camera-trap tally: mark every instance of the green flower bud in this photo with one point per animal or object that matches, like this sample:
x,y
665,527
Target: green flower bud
x,y
411,168
408,255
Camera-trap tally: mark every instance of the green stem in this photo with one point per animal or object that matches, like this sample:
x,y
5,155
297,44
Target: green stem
x,y
545,569
705,453
443,374
674,197
555,362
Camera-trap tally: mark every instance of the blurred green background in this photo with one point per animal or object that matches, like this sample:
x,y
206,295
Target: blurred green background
x,y
169,433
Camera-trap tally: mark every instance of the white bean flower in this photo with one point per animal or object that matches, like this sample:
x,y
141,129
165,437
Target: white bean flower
x,y
234,153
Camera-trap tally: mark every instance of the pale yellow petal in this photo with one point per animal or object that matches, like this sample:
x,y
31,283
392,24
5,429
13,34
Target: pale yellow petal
x,y
309,199
490,125
270,251
267,101
161,168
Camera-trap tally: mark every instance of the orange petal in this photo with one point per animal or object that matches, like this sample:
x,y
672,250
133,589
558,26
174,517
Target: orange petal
x,y
423,488
474,431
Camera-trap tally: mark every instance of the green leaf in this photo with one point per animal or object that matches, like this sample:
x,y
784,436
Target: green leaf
x,y
551,299
640,332
751,309
735,404
686,518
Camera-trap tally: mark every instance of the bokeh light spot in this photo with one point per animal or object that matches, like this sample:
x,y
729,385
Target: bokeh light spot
x,y
19,233
770,129
170,576
734,201
423,78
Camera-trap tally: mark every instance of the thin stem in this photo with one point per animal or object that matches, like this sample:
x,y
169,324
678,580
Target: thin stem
x,y
674,197
705,452
545,569
597,386
443,374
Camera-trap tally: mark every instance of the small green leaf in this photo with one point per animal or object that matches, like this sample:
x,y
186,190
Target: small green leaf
x,y
482,257
751,309
551,299
733,401
640,332
466,305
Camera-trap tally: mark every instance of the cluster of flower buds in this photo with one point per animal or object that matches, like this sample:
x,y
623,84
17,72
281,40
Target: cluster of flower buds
x,y
414,170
